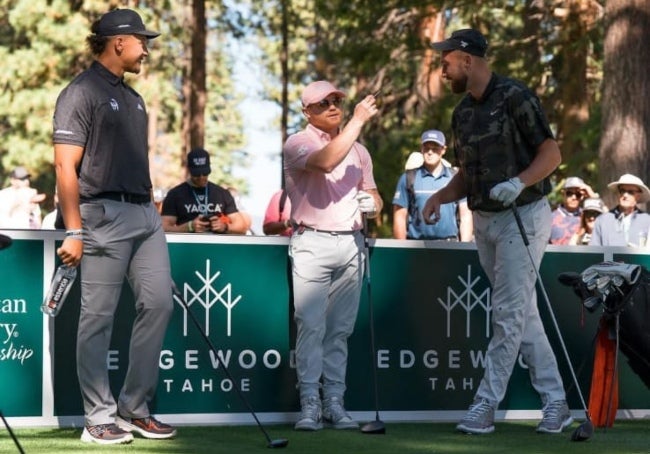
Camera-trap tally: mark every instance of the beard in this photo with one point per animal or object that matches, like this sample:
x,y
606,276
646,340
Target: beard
x,y
459,85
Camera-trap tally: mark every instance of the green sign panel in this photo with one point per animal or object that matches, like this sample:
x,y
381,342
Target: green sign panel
x,y
21,329
431,310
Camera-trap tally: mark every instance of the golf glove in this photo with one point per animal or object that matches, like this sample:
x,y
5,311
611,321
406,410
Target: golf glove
x,y
366,202
507,191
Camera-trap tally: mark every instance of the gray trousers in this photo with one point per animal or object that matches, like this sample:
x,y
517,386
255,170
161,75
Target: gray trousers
x,y
516,323
121,239
327,279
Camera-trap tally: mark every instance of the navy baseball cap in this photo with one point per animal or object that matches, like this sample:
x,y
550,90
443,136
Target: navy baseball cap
x,y
122,22
198,162
433,135
467,39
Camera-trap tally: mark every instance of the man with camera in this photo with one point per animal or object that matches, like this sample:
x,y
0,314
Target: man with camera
x,y
199,206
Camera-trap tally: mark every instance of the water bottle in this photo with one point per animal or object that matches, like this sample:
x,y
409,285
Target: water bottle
x,y
59,289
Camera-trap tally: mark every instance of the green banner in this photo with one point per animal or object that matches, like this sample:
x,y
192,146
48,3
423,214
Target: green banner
x,y
431,308
21,329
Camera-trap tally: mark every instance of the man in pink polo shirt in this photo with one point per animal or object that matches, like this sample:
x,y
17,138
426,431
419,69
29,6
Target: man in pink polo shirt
x,y
330,185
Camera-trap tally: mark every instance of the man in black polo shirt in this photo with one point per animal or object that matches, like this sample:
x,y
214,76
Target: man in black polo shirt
x,y
506,152
113,228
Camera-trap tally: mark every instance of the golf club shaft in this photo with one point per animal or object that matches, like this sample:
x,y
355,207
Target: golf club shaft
x,y
524,237
225,369
11,433
370,313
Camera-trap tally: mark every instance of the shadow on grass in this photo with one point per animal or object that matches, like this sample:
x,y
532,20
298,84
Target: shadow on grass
x,y
626,437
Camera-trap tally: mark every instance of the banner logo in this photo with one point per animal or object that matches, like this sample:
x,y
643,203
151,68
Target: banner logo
x,y
208,296
468,298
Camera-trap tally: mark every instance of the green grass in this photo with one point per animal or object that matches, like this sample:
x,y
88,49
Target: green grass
x,y
626,437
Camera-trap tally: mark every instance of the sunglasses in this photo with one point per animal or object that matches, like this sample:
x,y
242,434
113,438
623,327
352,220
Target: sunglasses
x,y
622,191
326,103
577,194
591,214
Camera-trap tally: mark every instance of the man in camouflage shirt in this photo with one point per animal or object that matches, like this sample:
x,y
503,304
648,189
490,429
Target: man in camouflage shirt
x,y
505,151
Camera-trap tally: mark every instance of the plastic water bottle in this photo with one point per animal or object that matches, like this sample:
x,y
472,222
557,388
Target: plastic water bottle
x,y
59,289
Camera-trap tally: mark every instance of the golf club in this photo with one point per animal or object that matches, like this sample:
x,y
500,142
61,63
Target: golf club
x,y
5,241
377,426
11,433
586,429
278,442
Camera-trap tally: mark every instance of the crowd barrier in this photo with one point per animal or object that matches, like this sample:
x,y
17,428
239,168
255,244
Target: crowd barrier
x,y
431,305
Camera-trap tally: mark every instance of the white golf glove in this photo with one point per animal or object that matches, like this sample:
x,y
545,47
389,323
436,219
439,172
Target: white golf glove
x,y
366,202
507,191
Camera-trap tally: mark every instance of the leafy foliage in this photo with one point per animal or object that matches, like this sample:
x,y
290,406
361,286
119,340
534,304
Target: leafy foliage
x,y
42,46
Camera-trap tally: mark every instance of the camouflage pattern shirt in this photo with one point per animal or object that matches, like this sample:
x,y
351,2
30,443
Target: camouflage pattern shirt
x,y
496,137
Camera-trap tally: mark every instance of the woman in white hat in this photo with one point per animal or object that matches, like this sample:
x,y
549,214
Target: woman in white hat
x,y
625,225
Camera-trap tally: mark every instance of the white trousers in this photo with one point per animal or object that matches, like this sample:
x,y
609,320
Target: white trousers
x,y
327,274
516,324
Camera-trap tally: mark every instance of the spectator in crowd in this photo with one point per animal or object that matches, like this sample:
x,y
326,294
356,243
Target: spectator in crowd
x,y
54,220
277,218
416,185
113,231
566,217
198,205
591,209
158,197
19,202
626,224
506,152
330,183
248,221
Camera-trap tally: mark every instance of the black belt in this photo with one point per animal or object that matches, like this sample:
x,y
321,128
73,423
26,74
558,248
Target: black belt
x,y
437,238
301,228
124,197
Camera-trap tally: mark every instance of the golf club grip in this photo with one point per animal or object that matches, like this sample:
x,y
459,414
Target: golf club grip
x,y
524,237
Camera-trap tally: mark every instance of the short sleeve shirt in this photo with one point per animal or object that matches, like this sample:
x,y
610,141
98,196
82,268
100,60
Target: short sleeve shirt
x,y
496,137
612,229
325,200
424,186
186,202
272,213
101,113
564,225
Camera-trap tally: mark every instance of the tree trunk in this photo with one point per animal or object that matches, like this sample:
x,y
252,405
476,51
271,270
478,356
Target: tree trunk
x,y
574,96
626,110
284,65
186,86
198,75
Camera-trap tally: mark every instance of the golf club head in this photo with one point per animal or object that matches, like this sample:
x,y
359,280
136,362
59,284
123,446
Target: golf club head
x,y
376,427
592,303
569,278
5,241
574,281
278,443
583,432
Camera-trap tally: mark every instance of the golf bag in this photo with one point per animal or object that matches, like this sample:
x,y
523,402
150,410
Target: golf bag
x,y
622,292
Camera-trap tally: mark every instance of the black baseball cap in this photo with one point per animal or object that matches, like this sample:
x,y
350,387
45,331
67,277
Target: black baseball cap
x,y
467,39
198,162
122,22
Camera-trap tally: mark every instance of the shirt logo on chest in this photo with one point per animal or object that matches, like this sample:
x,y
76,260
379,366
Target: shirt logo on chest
x,y
114,105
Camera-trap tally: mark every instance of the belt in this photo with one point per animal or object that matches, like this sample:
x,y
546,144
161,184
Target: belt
x,y
301,228
124,197
437,238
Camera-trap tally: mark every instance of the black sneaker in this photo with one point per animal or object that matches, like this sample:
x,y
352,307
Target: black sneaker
x,y
105,434
147,427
